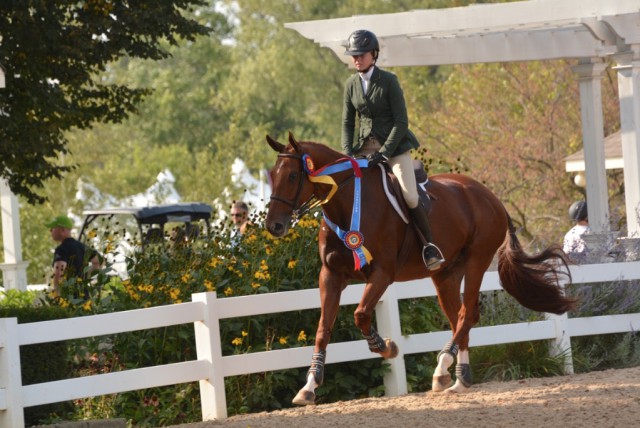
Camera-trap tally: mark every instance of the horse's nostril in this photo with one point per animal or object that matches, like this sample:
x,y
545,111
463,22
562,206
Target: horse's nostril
x,y
276,229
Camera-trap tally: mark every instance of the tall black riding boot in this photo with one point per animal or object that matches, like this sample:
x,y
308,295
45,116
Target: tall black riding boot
x,y
431,255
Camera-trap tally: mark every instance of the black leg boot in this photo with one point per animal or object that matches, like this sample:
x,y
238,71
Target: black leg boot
x,y
431,255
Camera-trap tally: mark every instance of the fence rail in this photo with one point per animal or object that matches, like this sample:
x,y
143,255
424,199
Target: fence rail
x,y
211,367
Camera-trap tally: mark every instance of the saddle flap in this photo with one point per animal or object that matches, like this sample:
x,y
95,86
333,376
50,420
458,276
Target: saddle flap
x,y
394,193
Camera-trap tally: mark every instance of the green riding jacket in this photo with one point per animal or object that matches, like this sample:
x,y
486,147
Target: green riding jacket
x,y
381,112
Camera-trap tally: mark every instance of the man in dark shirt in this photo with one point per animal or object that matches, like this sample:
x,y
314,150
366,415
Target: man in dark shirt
x,y
69,257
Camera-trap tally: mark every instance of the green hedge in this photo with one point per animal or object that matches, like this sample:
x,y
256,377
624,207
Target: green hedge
x,y
41,362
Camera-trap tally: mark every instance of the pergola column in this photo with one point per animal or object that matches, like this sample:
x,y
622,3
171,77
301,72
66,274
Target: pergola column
x,y
629,90
589,73
14,269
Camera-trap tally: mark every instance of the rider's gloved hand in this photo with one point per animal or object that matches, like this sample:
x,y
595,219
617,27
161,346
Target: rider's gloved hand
x,y
375,158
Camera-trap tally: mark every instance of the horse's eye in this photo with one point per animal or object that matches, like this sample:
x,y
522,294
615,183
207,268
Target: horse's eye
x,y
293,177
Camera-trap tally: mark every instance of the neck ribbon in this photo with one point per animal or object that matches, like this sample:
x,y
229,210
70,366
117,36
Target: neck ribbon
x,y
351,238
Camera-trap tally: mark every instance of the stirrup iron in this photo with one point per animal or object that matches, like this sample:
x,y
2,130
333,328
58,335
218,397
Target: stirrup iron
x,y
432,261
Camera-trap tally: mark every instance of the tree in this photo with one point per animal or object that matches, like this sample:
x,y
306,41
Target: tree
x,y
52,53
510,126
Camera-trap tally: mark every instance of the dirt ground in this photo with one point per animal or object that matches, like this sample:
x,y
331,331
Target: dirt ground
x,y
608,398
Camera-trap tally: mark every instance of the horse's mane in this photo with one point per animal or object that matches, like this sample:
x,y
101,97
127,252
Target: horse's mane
x,y
320,150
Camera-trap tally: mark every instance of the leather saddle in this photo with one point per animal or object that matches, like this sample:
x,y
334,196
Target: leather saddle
x,y
394,193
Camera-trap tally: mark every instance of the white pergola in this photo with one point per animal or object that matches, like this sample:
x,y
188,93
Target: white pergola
x,y
14,269
595,32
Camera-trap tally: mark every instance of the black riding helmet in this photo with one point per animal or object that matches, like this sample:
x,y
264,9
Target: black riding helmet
x,y
578,211
361,42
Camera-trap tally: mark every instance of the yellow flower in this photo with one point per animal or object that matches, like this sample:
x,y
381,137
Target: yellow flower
x,y
92,234
146,288
302,337
87,306
255,285
244,333
268,250
283,340
174,293
308,222
251,238
228,291
237,341
215,261
186,277
208,285
292,263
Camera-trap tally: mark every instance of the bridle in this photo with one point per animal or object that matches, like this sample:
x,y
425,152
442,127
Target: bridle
x,y
351,236
299,209
293,204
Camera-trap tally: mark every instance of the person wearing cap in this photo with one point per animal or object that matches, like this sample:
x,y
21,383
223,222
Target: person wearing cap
x,y
374,97
573,244
69,256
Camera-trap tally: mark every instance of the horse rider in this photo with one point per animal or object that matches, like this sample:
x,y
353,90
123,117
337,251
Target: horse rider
x,y
376,98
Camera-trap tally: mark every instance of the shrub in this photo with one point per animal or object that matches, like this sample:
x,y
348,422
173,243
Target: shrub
x,y
41,362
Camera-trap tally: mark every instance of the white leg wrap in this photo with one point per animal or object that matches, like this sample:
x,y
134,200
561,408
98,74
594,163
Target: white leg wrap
x,y
444,362
311,384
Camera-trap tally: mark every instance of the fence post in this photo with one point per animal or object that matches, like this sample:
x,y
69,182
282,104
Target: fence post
x,y
208,347
388,321
11,411
561,345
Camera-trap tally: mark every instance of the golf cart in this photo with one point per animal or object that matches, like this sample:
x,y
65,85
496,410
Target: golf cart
x,y
148,224
130,230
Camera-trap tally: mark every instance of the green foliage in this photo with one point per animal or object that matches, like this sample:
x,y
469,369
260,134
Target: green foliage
x,y
216,99
52,53
42,362
164,274
612,350
10,299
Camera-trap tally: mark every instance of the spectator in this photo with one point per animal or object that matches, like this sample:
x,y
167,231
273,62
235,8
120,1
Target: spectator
x,y
240,217
177,239
70,257
574,245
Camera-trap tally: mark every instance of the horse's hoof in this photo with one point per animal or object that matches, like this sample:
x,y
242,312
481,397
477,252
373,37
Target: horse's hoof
x,y
440,383
304,398
391,350
458,388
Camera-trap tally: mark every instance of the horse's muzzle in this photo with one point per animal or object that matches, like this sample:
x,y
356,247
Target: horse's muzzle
x,y
278,230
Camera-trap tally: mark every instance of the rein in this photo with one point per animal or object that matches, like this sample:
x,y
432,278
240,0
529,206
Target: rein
x,y
351,238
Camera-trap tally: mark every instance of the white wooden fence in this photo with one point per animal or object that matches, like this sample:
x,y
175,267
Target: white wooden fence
x,y
211,367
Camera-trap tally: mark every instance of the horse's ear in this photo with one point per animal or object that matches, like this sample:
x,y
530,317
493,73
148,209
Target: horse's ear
x,y
294,143
275,145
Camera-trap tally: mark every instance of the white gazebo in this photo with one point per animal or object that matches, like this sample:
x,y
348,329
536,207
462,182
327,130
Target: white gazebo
x,y
592,31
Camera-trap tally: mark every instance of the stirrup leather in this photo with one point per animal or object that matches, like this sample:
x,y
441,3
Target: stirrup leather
x,y
432,263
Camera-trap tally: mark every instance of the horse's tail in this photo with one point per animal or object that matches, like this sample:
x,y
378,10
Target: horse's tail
x,y
534,280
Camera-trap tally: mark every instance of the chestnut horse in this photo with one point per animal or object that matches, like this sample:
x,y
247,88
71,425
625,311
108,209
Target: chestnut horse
x,y
469,225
